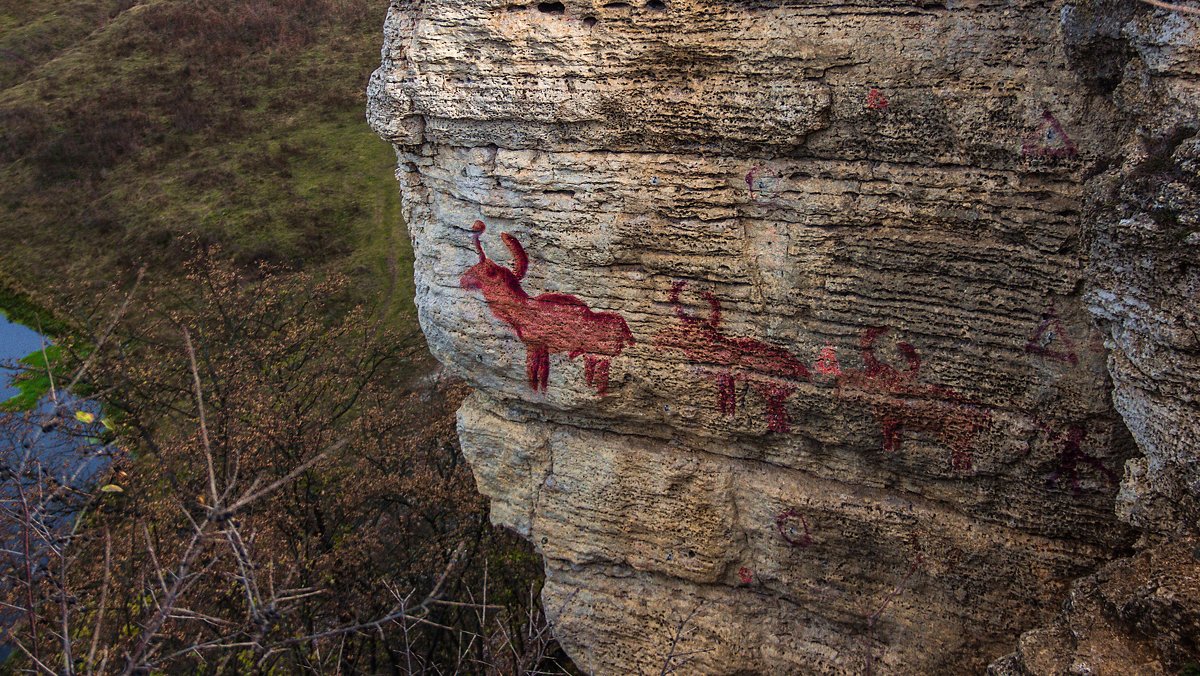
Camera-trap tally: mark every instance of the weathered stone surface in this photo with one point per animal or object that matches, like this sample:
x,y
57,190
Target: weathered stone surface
x,y
1138,615
1142,614
864,421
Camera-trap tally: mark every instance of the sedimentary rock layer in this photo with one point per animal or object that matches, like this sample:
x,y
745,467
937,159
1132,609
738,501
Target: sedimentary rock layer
x,y
783,361
1142,218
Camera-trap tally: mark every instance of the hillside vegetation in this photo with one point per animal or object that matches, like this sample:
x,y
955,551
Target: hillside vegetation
x,y
269,351
127,124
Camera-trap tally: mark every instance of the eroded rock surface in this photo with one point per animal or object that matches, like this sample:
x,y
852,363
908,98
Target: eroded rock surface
x,y
861,419
1142,614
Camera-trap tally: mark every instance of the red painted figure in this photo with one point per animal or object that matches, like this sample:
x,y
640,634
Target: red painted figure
x,y
548,324
1049,331
771,370
750,176
899,402
1049,140
793,528
1071,455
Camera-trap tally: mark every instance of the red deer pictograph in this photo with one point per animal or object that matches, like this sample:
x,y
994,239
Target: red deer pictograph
x,y
898,402
550,323
770,370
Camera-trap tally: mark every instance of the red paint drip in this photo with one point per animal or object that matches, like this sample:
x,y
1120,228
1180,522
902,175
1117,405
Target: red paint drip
x,y
771,370
876,100
776,396
551,323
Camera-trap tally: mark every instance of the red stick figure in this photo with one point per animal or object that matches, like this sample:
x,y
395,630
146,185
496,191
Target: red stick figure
x,y
549,323
745,575
769,369
1071,455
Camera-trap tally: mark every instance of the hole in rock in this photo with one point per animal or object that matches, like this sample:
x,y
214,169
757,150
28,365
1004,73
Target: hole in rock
x,y
589,21
617,5
551,8
656,5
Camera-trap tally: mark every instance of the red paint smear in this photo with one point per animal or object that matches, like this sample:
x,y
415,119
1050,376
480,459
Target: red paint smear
x,y
772,371
1052,324
552,323
899,403
827,362
1039,143
745,575
876,100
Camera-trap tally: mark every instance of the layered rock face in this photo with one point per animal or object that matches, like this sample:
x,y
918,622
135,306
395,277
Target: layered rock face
x,y
778,315
1142,614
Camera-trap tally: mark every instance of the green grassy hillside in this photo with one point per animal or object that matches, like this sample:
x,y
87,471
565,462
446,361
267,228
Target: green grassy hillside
x,y
129,126
131,130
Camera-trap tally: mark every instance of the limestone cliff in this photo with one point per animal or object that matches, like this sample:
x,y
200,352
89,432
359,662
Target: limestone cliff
x,y
1142,221
780,315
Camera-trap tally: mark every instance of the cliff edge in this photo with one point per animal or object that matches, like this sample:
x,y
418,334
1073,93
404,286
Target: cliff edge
x,y
821,337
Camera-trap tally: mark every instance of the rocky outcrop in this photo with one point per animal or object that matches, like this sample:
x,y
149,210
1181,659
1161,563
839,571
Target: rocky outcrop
x,y
1142,219
778,317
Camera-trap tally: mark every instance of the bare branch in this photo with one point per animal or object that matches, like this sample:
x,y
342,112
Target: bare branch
x,y
276,485
1172,7
208,456
46,363
31,611
36,662
151,628
673,660
108,332
91,659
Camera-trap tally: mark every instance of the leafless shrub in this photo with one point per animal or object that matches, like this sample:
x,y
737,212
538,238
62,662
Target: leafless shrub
x,y
291,498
